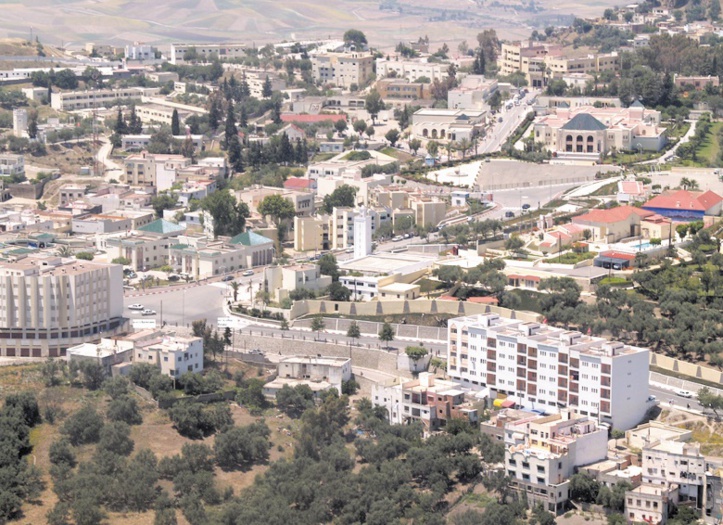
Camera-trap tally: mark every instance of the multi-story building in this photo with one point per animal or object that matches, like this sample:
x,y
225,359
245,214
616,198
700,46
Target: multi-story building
x,y
157,114
542,453
341,226
280,280
544,368
48,304
11,165
425,211
427,399
70,193
203,52
137,51
411,70
174,355
303,201
147,169
401,89
472,93
148,247
342,69
318,373
311,233
74,100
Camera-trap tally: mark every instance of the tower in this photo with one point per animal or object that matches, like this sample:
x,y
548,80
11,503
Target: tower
x,y
20,122
362,233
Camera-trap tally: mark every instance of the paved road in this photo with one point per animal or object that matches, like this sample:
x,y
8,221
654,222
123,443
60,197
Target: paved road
x,y
665,396
181,306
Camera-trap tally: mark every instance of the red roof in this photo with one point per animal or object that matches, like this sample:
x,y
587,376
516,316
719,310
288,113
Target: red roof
x,y
618,214
447,298
311,119
631,187
484,300
297,183
685,200
618,255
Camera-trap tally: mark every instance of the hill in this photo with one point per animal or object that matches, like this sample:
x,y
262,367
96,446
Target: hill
x,y
74,22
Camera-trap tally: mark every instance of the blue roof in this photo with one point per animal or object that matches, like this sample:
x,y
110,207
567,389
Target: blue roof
x,y
249,238
161,226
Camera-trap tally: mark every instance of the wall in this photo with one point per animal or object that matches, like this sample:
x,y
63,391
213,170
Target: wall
x,y
690,369
28,191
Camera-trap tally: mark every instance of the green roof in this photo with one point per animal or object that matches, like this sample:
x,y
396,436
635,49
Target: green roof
x,y
161,226
249,238
637,104
584,122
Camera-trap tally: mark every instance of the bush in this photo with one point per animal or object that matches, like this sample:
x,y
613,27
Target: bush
x,y
239,447
115,437
125,409
84,256
195,421
83,426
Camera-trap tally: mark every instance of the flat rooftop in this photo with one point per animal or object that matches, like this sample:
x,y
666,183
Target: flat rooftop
x,y
389,263
315,386
324,360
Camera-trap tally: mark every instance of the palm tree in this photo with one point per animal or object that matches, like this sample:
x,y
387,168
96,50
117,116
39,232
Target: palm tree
x,y
64,251
685,183
464,145
235,286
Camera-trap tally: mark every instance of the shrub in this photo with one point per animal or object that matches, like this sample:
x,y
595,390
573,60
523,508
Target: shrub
x,y
83,426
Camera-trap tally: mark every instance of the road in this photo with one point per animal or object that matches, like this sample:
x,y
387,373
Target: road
x,y
498,133
181,306
665,396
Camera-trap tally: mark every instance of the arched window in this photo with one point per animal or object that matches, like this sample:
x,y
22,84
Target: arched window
x,y
434,133
425,132
441,134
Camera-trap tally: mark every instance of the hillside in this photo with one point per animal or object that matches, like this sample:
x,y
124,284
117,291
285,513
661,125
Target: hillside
x,y
74,22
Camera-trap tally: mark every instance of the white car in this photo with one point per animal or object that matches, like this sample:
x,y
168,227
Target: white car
x,y
248,273
397,238
135,307
685,393
148,311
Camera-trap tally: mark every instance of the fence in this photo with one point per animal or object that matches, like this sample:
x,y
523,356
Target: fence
x,y
692,370
401,331
167,402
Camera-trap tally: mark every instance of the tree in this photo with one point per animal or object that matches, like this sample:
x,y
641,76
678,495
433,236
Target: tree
x,y
359,126
479,66
33,124
386,334
709,400
235,154
373,104
163,201
121,128
66,79
342,197
267,91
414,145
61,453
239,447
356,38
353,331
584,488
514,244
338,292
83,426
433,148
230,126
229,216
92,374
329,266
617,434
125,409
84,256
175,123
415,353
392,136
135,124
115,437
317,325
294,401
278,208
340,126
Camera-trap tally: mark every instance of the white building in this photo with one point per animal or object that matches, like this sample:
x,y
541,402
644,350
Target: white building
x,y
174,355
544,368
98,98
203,52
11,164
447,124
362,234
20,122
319,373
411,69
48,304
541,453
428,399
343,69
138,51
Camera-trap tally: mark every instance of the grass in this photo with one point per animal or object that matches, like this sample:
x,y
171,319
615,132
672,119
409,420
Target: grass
x,y
571,258
615,281
395,153
607,189
710,148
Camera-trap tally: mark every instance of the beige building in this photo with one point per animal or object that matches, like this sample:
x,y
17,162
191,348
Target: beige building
x,y
48,304
159,170
426,211
11,164
402,89
411,70
146,247
343,69
281,280
98,98
157,114
303,201
311,233
204,52
616,224
447,124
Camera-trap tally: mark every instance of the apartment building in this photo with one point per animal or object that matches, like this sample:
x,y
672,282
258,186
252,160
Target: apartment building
x,y
472,93
146,247
311,233
280,280
11,165
341,227
411,70
159,170
425,211
203,52
98,98
542,453
303,201
540,367
173,354
48,304
70,193
342,69
139,142
157,114
402,89
427,399
20,122
137,51
318,373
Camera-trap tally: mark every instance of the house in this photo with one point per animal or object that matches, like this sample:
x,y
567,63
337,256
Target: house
x,y
318,373
631,191
684,205
293,132
107,352
399,291
299,184
174,355
427,399
613,224
280,280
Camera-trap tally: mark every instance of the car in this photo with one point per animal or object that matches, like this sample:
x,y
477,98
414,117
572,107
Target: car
x,y
407,235
227,278
397,238
499,119
248,273
652,398
525,206
684,393
136,307
509,214
148,311
350,249
173,277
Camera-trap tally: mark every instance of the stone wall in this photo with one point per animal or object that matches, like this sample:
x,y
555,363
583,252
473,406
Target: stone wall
x,y
690,369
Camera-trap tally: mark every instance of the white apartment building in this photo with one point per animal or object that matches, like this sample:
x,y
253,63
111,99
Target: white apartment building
x,y
157,114
541,453
318,373
48,304
411,69
98,98
223,51
159,170
138,51
678,463
341,230
428,399
540,367
342,69
174,355
11,164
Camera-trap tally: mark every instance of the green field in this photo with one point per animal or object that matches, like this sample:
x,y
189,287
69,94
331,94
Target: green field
x,y
708,153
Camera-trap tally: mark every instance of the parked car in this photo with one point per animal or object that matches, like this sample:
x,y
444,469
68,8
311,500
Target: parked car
x,y
509,214
652,398
525,206
685,393
148,311
173,277
350,249
227,278
407,235
397,238
135,307
248,273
